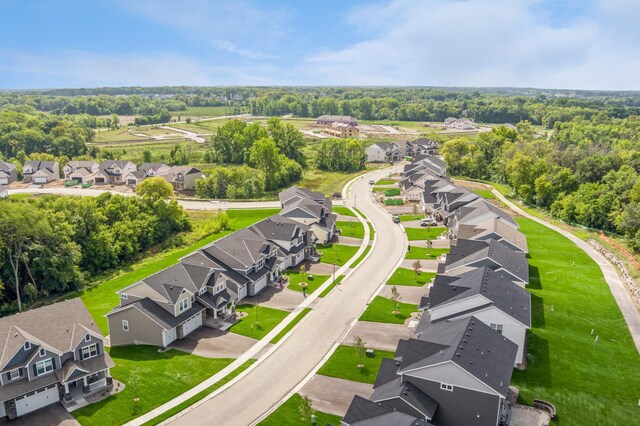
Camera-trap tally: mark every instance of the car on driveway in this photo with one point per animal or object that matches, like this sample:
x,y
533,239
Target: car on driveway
x,y
427,222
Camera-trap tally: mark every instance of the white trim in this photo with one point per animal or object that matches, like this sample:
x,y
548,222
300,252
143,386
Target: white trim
x,y
26,346
44,364
89,351
87,337
493,391
11,378
446,387
408,403
42,352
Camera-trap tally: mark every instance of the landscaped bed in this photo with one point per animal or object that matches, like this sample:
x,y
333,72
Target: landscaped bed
x,y
259,320
423,234
424,253
403,276
392,192
344,362
336,252
351,229
382,309
161,377
288,414
394,202
590,383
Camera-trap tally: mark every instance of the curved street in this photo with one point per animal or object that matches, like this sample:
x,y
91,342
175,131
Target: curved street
x,y
271,381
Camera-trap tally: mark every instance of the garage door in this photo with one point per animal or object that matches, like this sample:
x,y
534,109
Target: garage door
x,y
2,410
191,324
40,179
169,336
37,400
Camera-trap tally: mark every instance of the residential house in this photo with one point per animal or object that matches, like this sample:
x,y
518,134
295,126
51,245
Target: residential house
x,y
8,173
51,353
383,152
429,163
114,172
459,124
428,197
450,198
456,373
293,240
4,192
40,172
364,412
489,296
468,254
144,171
182,177
310,208
343,119
424,146
81,171
342,130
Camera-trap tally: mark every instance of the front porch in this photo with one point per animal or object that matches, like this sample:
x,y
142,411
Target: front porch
x,y
78,392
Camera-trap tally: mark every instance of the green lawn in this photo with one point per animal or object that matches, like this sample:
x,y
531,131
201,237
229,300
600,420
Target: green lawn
x,y
410,217
331,286
260,320
386,182
295,278
288,414
421,253
344,211
394,202
161,377
380,189
350,229
403,276
292,324
356,262
325,181
590,383
101,299
422,234
392,192
372,232
484,193
381,310
343,364
199,395
336,252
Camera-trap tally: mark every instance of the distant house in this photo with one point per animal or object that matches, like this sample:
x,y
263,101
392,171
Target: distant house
x,y
182,177
430,163
310,208
459,124
4,193
144,171
40,172
51,353
114,172
342,130
81,171
489,296
383,152
8,173
330,119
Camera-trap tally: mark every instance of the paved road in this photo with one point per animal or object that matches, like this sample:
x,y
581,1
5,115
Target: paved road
x,y
628,309
271,381
187,134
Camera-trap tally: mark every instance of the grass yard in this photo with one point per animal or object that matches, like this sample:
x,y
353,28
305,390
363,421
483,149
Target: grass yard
x,y
350,229
404,276
344,211
200,395
101,299
331,286
356,262
386,182
161,377
484,193
590,383
410,217
211,111
292,324
343,364
392,192
289,414
381,310
422,253
295,278
260,320
423,234
394,202
379,189
337,253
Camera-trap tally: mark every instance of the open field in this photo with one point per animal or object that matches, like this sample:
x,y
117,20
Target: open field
x,y
289,414
484,193
382,309
210,111
121,134
325,181
161,375
589,382
336,253
403,276
260,320
343,364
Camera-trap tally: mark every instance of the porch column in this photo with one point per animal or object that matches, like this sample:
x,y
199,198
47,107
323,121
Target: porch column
x,y
85,388
108,372
66,388
84,379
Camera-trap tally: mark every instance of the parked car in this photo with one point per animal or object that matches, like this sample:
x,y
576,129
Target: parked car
x,y
371,182
337,195
395,218
427,222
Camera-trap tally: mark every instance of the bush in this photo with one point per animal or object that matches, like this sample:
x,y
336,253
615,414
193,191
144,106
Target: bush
x,y
392,192
394,202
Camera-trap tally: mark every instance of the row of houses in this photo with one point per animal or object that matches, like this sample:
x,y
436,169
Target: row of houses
x,y
459,123
457,368
38,172
204,288
394,151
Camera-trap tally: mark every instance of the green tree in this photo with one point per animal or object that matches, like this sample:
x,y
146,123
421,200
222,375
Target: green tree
x,y
266,157
305,409
155,188
147,156
361,349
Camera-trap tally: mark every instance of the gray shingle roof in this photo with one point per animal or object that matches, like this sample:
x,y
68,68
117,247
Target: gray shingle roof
x,y
407,392
363,412
159,314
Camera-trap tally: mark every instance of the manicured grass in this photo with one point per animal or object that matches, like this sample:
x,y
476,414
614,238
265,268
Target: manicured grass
x,y
421,253
590,383
372,232
266,318
331,286
295,278
422,234
381,310
200,395
288,414
350,229
344,211
484,193
404,276
394,202
410,217
289,326
336,252
101,299
386,182
380,189
20,196
356,262
161,377
392,192
343,364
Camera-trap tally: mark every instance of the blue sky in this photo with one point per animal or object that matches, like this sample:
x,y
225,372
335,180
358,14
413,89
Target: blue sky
x,y
579,44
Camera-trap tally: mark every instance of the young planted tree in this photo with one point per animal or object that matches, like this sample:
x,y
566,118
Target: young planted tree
x,y
361,348
303,270
395,296
305,408
429,245
417,265
414,209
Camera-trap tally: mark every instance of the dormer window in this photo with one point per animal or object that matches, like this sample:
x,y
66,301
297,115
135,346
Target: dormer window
x,y
124,296
27,346
87,338
183,305
42,352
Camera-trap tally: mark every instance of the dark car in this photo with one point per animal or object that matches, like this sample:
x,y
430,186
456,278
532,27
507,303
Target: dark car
x,y
337,195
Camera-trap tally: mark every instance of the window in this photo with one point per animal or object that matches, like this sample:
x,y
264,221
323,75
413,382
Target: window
x,y
43,352
44,367
125,325
89,351
124,296
183,305
497,327
87,338
27,346
193,298
14,374
447,387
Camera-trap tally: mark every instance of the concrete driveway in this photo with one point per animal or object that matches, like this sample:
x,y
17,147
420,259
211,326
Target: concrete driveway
x,y
427,265
212,343
286,300
53,415
332,395
408,294
378,335
349,241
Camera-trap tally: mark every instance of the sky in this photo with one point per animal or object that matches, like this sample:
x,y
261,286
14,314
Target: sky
x,y
558,44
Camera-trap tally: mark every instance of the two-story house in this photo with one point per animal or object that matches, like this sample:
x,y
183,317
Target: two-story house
x,y
8,173
450,198
182,177
146,170
81,171
489,296
40,172
383,152
293,240
114,172
50,353
310,208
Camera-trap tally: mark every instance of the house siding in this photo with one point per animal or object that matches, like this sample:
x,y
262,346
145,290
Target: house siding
x,y
98,342
142,330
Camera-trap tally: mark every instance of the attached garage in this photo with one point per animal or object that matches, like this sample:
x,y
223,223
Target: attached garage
x,y
258,285
38,399
40,179
191,324
168,337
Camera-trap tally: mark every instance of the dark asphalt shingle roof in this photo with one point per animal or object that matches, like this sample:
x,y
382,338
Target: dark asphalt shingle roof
x,y
363,412
407,392
159,314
